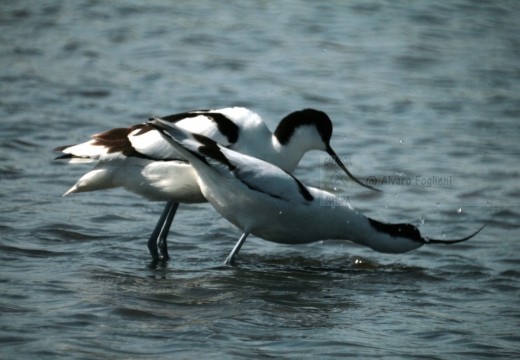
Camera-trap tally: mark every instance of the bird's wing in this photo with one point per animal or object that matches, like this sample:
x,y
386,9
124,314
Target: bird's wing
x,y
254,173
143,141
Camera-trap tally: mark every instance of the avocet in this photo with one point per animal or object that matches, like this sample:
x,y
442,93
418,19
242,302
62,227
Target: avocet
x,y
262,199
141,161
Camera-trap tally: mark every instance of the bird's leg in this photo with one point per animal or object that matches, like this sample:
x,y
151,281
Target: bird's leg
x,y
152,241
231,258
163,245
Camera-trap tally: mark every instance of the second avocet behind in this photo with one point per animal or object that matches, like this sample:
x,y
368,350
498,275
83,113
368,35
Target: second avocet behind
x,y
140,160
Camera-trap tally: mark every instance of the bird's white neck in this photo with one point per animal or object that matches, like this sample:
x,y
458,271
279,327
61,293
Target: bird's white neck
x,y
289,154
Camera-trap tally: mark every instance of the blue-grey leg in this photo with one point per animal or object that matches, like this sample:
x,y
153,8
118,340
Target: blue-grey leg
x,y
163,245
231,258
152,241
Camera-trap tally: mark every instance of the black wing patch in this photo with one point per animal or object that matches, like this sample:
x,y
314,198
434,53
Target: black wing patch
x,y
210,148
116,140
226,127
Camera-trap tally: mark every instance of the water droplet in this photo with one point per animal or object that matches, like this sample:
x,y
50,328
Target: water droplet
x,y
280,213
335,189
401,141
459,210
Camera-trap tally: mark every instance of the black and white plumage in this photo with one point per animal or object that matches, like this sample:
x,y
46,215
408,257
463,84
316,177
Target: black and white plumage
x,y
264,200
141,161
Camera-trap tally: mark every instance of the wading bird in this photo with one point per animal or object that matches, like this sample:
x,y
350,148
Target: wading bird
x,y
141,161
262,199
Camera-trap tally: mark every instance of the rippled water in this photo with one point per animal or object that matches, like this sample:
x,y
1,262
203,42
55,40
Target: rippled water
x,y
418,91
